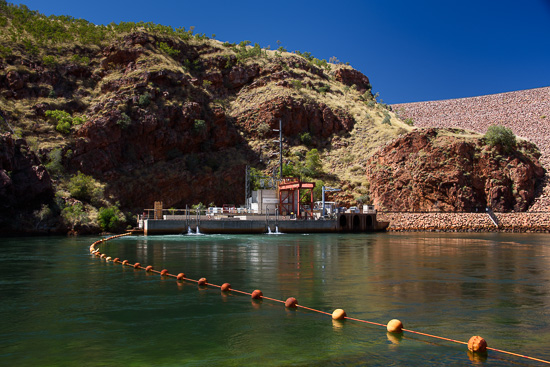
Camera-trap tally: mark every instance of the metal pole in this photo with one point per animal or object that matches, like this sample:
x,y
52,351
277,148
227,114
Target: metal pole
x,y
280,149
323,198
246,188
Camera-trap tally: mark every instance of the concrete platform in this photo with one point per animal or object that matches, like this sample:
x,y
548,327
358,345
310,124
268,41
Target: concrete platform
x,y
343,223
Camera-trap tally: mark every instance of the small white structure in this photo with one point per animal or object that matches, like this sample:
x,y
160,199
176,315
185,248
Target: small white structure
x,y
369,209
262,201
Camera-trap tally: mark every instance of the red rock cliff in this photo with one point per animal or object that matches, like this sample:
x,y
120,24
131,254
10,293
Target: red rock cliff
x,y
429,170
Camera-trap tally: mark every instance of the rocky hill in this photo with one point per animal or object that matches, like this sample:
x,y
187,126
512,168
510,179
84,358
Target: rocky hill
x,y
120,116
450,170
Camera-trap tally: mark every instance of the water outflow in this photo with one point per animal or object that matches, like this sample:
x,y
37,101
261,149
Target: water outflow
x,y
196,232
276,230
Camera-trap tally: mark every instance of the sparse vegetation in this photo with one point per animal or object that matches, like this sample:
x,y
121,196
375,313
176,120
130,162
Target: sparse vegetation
x,y
63,120
55,166
297,84
199,126
164,47
75,215
306,139
500,135
124,121
144,99
85,188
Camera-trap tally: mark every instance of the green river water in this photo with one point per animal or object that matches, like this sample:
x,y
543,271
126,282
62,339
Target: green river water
x,y
60,306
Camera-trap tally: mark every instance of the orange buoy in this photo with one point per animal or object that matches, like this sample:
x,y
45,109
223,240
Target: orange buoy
x,y
226,287
137,265
339,314
148,268
116,260
103,256
257,294
291,302
97,253
180,276
202,281
395,326
163,272
125,262
477,344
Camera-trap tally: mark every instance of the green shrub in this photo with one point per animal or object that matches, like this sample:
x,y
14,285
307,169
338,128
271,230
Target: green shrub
x,y
243,52
387,119
409,121
83,60
55,166
5,51
169,50
84,187
500,135
323,89
290,170
144,99
63,120
297,84
109,218
194,65
124,121
42,215
306,139
74,215
30,47
313,166
49,61
199,126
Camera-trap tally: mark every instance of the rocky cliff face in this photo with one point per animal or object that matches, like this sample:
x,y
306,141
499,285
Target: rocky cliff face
x,y
188,150
24,182
436,169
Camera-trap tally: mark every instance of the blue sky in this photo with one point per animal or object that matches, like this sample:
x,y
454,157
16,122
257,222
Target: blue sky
x,y
410,50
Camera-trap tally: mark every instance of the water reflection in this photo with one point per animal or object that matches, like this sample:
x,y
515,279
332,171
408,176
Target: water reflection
x,y
453,285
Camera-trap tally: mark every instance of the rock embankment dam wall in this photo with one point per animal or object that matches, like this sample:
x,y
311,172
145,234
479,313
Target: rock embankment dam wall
x,y
466,222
